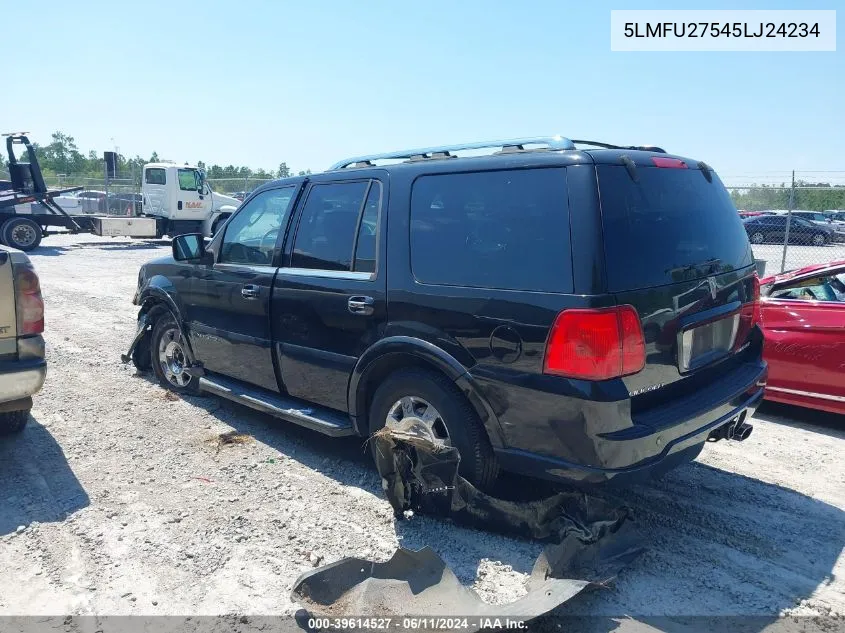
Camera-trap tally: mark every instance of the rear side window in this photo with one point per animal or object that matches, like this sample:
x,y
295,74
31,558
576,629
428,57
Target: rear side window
x,y
155,176
667,227
498,229
327,228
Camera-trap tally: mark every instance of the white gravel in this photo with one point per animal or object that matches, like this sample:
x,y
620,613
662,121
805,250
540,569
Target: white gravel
x,y
117,499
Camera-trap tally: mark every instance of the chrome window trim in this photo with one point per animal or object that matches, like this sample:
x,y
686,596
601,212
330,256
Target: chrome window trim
x,y
328,274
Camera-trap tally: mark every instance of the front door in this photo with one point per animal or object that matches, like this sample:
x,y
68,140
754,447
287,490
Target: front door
x,y
191,201
229,307
804,322
329,300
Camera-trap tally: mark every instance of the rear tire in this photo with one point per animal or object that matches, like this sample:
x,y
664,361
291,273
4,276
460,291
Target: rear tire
x,y
13,421
457,421
819,239
23,234
757,238
168,357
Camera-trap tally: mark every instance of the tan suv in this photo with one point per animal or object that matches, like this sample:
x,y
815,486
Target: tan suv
x,y
22,364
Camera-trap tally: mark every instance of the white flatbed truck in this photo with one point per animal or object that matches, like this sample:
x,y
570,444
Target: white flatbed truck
x,y
175,200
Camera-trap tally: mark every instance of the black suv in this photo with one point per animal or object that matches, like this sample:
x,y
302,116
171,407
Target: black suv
x,y
569,313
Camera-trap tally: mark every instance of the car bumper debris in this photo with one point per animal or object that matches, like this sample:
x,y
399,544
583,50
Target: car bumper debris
x,y
589,542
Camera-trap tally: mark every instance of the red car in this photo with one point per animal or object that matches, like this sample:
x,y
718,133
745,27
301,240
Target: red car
x,y
802,314
752,214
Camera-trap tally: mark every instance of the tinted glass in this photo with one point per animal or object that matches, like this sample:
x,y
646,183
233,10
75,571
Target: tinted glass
x,y
365,249
252,233
188,180
326,232
497,229
660,229
155,176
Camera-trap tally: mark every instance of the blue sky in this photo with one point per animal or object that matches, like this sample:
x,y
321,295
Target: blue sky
x,y
257,83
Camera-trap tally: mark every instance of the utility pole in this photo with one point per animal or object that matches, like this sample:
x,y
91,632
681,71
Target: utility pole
x,y
788,222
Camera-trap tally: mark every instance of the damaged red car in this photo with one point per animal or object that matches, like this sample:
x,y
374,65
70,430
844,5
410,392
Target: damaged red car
x,y
803,320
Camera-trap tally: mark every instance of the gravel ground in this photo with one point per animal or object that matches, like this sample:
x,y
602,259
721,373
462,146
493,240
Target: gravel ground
x,y
118,499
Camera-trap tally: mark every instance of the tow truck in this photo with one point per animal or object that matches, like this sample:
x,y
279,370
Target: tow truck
x,y
176,200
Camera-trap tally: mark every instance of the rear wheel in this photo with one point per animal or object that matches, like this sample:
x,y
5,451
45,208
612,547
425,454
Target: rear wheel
x,y
169,358
431,399
819,239
22,233
13,421
757,238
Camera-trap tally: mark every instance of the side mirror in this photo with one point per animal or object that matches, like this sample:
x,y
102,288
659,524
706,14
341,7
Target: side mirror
x,y
189,247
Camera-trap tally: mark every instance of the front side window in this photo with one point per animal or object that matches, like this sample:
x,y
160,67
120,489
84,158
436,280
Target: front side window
x,y
155,176
252,233
189,180
827,287
327,228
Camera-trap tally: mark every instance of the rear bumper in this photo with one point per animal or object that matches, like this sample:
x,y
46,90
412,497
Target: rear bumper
x,y
23,376
672,436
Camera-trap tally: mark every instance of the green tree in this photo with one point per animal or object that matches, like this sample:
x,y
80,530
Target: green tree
x,y
283,171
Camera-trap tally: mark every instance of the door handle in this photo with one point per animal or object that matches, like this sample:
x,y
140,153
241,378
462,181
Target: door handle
x,y
361,305
250,291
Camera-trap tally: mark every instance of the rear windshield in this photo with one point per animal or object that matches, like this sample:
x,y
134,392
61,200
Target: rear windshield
x,y
661,229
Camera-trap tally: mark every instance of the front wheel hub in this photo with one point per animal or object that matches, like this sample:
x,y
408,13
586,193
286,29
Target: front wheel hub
x,y
172,358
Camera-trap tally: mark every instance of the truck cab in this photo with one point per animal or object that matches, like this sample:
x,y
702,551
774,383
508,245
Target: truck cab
x,y
179,196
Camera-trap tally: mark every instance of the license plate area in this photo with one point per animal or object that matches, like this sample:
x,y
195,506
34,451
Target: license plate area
x,y
703,344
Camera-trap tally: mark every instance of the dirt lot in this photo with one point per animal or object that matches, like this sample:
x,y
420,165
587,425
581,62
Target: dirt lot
x,y
117,498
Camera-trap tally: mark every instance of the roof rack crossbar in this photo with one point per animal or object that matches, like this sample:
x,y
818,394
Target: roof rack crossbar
x,y
551,142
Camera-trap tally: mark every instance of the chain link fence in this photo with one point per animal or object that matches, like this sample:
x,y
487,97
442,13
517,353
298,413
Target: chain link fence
x,y
237,187
797,222
793,219
121,196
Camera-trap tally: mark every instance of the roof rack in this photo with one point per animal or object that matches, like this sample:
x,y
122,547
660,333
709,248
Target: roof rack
x,y
645,148
516,144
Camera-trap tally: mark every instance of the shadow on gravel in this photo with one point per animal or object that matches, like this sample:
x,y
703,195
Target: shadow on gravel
x,y
830,424
722,545
719,544
53,251
36,482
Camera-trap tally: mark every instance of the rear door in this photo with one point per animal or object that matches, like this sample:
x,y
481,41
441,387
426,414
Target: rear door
x,y
8,328
676,250
228,309
804,321
329,300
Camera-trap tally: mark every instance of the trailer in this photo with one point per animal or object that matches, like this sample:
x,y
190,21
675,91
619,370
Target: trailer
x,y
29,211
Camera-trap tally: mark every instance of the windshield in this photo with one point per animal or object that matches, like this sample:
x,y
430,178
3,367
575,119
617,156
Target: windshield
x,y
670,226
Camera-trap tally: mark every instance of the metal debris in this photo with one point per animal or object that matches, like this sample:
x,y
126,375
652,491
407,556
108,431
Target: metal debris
x,y
590,541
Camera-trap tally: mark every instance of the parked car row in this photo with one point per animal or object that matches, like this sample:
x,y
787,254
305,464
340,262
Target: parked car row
x,y
93,201
772,228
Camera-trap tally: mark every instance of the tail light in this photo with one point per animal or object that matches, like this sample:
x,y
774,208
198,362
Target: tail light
x,y
749,315
29,303
596,344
